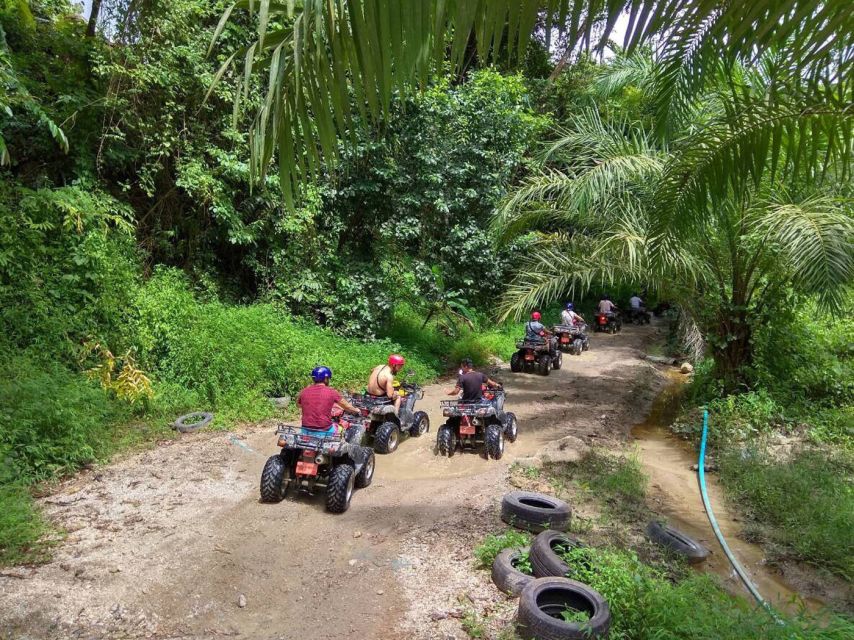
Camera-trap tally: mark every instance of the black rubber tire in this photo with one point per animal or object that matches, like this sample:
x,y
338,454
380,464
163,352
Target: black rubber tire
x,y
541,602
506,576
536,512
386,438
272,480
366,474
494,441
516,362
677,542
420,424
446,440
557,361
180,423
339,490
585,345
577,346
544,559
511,426
544,365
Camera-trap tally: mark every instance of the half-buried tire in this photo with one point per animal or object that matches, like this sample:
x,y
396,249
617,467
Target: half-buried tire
x,y
505,574
543,602
534,511
544,555
193,421
677,542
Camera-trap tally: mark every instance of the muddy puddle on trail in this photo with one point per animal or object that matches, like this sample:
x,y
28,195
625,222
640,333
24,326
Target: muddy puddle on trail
x,y
675,494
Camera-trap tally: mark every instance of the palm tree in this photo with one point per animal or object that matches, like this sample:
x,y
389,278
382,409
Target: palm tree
x,y
323,58
690,213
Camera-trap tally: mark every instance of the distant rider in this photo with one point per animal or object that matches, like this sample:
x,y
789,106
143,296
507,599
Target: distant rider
x,y
471,382
535,331
607,307
569,317
638,307
381,380
316,402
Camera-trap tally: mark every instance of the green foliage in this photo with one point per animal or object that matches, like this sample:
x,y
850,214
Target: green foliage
x,y
21,527
808,501
618,479
494,544
646,606
53,421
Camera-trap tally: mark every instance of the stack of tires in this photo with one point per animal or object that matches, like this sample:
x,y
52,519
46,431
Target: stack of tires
x,y
545,597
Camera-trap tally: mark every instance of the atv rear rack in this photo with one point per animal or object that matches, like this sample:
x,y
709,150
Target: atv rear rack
x,y
297,438
455,408
536,346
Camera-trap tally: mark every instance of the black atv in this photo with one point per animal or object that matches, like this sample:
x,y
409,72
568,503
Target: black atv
x,y
572,338
638,316
531,355
609,322
469,425
385,427
308,462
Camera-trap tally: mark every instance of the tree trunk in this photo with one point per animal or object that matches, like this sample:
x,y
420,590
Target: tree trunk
x,y
93,19
733,351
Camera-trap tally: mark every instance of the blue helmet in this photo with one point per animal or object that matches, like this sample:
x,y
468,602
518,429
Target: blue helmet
x,y
321,373
570,306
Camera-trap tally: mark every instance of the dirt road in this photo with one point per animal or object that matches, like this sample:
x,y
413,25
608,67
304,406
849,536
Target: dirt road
x,y
170,542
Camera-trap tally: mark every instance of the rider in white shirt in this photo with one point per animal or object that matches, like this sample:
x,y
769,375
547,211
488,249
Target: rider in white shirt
x,y
606,306
636,302
569,317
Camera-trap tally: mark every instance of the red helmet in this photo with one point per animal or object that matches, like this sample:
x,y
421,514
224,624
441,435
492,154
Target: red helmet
x,y
395,359
536,315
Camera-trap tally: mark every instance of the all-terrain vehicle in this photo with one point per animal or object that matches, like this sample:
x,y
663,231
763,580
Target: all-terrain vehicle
x,y
638,316
385,427
609,322
542,356
310,461
572,338
469,425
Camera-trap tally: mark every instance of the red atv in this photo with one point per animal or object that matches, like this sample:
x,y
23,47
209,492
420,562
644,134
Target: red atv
x,y
572,338
609,322
479,423
311,460
539,356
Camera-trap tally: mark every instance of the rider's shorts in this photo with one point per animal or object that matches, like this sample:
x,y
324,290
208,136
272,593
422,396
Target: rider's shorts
x,y
331,431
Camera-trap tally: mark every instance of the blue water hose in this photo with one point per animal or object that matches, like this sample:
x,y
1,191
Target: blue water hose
x,y
729,554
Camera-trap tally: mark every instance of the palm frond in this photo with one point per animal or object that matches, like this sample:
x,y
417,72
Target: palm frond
x,y
816,237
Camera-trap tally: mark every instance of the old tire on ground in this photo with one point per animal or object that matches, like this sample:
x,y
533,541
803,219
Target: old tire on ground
x,y
545,560
677,542
272,480
366,473
446,440
557,361
386,438
544,365
506,576
511,426
342,479
516,362
494,441
420,424
543,600
192,421
536,512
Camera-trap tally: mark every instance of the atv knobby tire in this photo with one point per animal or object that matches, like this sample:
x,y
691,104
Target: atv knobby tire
x,y
516,362
366,474
273,480
544,365
536,512
420,424
577,346
677,542
506,576
446,440
494,441
511,426
557,361
544,557
339,490
386,438
543,600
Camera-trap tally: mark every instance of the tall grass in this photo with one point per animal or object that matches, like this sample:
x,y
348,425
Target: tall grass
x,y
806,503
